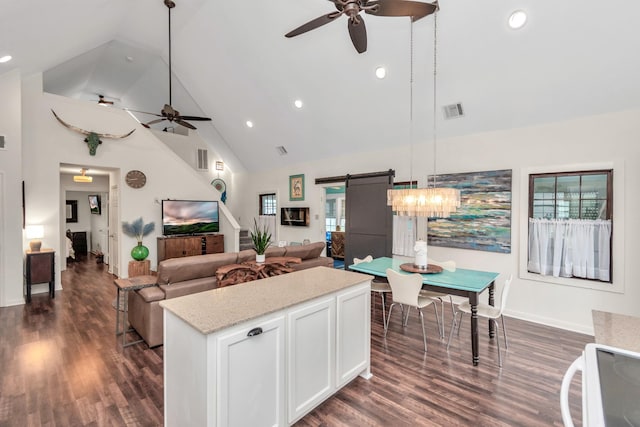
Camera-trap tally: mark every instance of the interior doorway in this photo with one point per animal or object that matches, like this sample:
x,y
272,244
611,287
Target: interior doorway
x,y
358,222
85,220
335,222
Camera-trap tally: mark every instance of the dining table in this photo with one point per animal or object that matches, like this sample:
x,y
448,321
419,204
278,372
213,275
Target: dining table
x,y
463,282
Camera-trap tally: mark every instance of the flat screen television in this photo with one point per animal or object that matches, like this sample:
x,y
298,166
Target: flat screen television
x,y
94,204
185,217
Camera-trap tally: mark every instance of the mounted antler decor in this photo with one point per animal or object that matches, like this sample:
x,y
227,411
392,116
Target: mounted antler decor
x,y
93,138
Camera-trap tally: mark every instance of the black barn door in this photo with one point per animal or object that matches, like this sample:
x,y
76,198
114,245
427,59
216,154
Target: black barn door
x,y
369,221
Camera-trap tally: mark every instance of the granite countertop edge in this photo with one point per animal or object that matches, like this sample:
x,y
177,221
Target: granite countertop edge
x,y
221,308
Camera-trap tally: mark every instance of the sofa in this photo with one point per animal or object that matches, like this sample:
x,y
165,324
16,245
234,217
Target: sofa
x,y
188,275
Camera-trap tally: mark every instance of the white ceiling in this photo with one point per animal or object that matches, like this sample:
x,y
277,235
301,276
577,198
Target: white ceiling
x,y
232,62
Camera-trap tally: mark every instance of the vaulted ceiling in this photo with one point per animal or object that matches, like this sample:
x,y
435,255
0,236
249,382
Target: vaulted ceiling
x,y
232,62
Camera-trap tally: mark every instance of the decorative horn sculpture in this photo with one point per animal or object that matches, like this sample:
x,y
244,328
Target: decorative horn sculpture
x,y
93,138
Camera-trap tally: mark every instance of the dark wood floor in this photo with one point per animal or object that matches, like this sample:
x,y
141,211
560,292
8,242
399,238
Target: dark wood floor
x,y
61,366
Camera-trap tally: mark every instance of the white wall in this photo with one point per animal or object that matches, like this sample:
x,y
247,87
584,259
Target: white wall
x,y
47,144
11,189
605,139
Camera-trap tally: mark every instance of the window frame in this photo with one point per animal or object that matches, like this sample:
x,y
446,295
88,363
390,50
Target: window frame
x,y
608,172
261,198
618,232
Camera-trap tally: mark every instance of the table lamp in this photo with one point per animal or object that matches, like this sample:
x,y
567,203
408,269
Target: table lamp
x,y
35,232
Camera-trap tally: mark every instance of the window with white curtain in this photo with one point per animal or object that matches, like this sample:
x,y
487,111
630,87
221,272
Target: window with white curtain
x,y
570,220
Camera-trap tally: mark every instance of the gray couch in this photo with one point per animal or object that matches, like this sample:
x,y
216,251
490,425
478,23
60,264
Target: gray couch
x,y
188,275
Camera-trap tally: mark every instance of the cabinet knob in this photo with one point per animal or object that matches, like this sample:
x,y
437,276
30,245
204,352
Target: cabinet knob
x,y
254,332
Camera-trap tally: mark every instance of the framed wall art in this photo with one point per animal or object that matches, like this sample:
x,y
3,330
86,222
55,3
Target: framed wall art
x,y
296,187
483,221
72,211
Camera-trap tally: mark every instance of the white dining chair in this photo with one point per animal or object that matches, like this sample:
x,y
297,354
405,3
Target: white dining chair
x,y
440,297
405,290
379,285
488,312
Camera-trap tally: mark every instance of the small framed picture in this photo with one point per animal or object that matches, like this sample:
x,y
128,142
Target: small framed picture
x,y
296,187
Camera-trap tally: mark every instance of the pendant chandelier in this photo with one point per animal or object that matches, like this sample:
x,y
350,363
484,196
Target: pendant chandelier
x,y
432,202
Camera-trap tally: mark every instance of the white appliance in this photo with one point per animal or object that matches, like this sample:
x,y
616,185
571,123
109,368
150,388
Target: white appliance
x,y
610,387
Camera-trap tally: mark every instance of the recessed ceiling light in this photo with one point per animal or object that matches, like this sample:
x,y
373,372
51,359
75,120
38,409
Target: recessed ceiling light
x,y
517,19
297,103
249,124
129,58
5,58
381,72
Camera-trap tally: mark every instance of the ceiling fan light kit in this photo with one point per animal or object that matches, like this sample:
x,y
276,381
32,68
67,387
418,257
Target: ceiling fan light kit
x,y
355,24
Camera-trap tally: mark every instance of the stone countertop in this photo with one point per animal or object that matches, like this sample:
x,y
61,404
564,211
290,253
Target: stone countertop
x,y
221,308
617,330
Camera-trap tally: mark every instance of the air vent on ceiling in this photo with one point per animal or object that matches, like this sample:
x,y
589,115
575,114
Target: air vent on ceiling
x,y
203,159
281,150
1,142
453,111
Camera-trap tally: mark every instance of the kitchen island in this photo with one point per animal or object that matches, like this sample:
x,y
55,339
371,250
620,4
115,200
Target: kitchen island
x,y
265,352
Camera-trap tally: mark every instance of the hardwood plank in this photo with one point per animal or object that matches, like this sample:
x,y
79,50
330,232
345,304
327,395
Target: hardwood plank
x,y
62,366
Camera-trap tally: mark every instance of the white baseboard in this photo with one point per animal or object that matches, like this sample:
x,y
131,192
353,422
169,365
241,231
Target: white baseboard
x,y
555,323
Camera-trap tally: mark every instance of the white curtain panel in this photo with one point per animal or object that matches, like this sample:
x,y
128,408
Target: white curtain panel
x,y
404,235
570,248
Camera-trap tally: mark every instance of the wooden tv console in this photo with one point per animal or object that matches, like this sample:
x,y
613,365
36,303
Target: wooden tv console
x,y
181,246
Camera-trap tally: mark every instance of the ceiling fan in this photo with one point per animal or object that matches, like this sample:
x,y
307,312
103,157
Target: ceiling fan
x,y
102,101
352,9
168,112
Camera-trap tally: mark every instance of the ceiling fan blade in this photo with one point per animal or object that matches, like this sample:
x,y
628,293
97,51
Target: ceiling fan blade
x,y
142,112
358,33
185,124
313,24
195,118
414,9
153,122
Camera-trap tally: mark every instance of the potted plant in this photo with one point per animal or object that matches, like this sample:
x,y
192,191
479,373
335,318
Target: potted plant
x,y
138,229
261,239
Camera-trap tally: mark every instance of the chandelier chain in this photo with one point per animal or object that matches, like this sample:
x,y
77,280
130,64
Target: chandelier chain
x,y
411,107
435,73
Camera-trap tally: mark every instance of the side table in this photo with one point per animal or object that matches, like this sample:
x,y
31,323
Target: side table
x,y
39,267
139,268
124,286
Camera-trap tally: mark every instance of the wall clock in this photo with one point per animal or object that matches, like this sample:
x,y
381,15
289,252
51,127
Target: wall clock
x,y
135,179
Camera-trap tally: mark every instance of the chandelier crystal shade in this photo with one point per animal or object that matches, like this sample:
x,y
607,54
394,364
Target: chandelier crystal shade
x,y
429,202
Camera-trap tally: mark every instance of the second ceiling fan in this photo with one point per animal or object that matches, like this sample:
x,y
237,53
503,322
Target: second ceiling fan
x,y
355,24
168,112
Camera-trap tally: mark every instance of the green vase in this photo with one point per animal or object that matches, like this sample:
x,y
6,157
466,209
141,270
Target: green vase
x,y
140,252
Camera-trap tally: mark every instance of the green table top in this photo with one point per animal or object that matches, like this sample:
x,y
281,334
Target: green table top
x,y
461,279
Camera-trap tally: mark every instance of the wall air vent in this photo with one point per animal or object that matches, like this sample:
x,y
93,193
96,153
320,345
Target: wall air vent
x,y
281,150
2,147
453,111
203,159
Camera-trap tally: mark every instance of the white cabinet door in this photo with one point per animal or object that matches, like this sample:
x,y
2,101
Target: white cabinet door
x,y
311,354
251,372
353,334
